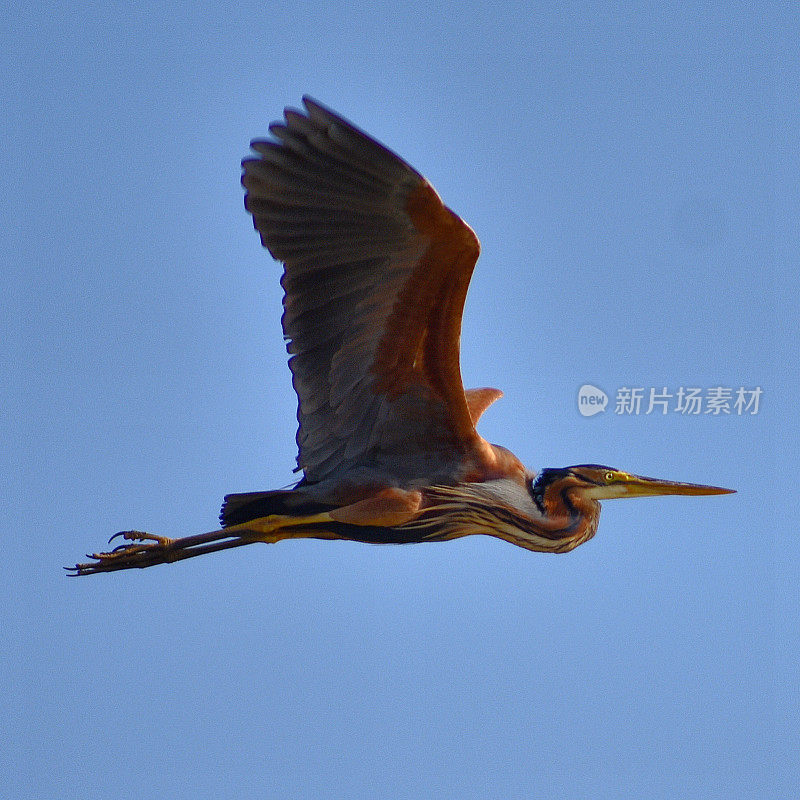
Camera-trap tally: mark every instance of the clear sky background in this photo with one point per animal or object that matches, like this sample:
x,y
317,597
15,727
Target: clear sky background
x,y
633,180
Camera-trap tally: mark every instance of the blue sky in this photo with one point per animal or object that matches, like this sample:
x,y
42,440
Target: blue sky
x,y
632,178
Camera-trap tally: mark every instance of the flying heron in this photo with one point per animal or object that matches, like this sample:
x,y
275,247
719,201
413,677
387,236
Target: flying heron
x,y
376,271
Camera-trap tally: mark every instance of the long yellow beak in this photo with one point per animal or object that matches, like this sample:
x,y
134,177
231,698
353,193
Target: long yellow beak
x,y
639,486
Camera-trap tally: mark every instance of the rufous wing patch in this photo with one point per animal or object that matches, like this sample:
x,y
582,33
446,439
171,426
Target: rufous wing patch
x,y
386,509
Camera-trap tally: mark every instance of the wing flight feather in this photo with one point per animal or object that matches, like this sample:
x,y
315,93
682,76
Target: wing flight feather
x,y
376,271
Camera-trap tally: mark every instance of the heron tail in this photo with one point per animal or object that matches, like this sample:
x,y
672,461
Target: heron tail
x,y
238,508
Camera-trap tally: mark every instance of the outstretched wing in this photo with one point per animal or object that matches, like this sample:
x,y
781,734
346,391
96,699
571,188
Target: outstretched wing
x,y
376,273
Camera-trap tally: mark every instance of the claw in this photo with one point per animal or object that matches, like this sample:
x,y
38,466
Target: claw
x,y
139,536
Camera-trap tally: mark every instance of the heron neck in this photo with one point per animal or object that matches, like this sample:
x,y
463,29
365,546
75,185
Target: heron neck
x,y
567,511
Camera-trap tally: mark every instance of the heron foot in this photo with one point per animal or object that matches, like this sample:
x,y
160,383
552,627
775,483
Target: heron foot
x,y
140,550
144,550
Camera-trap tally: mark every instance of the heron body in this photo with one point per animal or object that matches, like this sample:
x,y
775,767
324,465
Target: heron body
x,y
376,271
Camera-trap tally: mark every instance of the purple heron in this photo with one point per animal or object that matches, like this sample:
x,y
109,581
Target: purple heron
x,y
376,271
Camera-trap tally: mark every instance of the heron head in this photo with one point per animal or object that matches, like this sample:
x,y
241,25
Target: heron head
x,y
596,482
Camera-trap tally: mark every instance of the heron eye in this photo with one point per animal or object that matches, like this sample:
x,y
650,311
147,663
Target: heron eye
x,y
609,476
